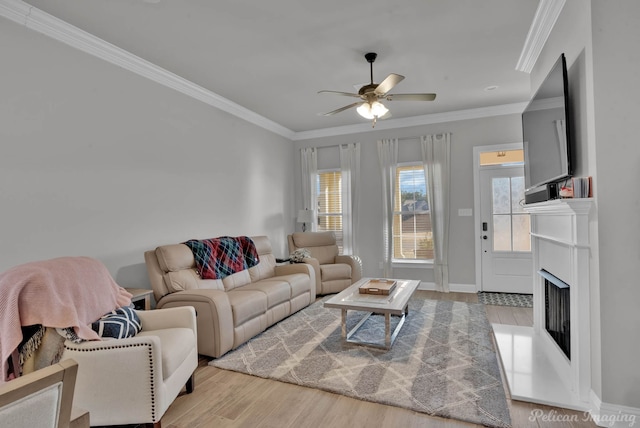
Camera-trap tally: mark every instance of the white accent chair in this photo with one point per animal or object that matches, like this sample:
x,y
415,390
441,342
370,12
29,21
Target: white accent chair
x,y
135,380
41,398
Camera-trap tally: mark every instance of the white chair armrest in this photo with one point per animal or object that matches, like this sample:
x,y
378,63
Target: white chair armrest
x,y
127,371
158,319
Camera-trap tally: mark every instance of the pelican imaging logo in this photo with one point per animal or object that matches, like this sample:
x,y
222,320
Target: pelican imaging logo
x,y
616,419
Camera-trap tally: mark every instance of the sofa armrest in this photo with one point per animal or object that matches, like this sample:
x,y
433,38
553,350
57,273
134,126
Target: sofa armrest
x,y
304,268
213,317
315,264
184,316
355,263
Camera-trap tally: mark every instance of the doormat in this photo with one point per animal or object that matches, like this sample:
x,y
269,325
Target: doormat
x,y
506,299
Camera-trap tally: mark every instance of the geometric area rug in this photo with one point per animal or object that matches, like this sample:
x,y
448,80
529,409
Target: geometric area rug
x,y
443,362
506,299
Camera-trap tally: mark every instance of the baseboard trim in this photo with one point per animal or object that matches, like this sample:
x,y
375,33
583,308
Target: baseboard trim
x,y
457,288
612,415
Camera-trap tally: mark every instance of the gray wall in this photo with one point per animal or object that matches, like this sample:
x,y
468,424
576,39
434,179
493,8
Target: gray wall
x,y
98,161
616,67
599,39
466,134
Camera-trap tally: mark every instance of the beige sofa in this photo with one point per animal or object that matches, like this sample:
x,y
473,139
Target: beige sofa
x,y
334,272
231,310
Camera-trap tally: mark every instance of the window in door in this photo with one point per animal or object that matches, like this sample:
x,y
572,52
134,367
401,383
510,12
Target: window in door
x,y
510,222
330,203
412,235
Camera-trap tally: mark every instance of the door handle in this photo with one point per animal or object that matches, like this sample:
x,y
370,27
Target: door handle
x,y
485,226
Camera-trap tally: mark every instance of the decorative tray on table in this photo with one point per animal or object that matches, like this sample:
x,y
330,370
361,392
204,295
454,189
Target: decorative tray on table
x,y
378,286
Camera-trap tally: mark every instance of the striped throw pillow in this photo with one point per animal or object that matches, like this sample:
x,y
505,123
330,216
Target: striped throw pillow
x,y
120,323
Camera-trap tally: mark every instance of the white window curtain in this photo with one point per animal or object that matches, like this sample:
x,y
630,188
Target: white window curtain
x,y
309,172
388,157
436,160
350,171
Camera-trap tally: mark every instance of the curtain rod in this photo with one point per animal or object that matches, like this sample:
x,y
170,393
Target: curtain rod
x,y
399,139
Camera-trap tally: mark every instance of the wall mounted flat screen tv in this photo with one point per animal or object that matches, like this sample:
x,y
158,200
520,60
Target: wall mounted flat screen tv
x,y
546,132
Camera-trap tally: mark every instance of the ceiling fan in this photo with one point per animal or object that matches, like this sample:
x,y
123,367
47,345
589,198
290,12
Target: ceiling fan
x,y
370,107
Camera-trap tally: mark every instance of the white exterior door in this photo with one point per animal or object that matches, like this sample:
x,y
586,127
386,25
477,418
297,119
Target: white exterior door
x,y
506,241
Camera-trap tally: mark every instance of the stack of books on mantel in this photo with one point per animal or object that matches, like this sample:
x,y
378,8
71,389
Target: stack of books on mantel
x,y
582,187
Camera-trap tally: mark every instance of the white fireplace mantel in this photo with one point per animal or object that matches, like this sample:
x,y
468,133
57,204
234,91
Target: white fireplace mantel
x,y
536,368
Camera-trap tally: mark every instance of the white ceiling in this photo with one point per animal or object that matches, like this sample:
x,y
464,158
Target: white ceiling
x,y
272,57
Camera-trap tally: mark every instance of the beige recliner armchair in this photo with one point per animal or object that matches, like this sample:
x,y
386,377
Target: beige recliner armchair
x,y
334,272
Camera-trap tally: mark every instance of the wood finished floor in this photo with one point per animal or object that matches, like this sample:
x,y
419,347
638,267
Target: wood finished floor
x,y
227,399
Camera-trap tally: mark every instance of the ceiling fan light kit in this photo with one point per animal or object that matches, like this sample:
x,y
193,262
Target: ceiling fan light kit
x,y
374,110
370,107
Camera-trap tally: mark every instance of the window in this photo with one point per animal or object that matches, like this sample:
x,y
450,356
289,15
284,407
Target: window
x,y
329,188
511,224
412,235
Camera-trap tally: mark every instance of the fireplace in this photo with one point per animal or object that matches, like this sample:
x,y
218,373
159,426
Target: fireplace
x,y
550,363
557,311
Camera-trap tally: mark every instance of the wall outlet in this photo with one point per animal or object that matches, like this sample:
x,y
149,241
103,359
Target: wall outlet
x,y
465,212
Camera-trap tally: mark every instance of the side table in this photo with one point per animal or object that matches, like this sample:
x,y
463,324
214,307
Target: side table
x,y
141,298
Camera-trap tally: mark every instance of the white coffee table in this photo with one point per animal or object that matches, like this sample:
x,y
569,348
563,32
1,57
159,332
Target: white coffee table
x,y
395,303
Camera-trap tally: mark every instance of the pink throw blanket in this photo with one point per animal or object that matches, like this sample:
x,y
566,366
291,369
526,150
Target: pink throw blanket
x,y
62,292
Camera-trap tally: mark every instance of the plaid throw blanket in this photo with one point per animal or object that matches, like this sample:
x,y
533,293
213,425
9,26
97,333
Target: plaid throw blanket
x,y
220,257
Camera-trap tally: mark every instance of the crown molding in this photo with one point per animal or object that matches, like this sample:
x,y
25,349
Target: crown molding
x,y
405,122
545,18
37,20
17,11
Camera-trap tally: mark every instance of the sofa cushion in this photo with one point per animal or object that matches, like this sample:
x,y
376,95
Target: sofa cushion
x,y
119,323
175,257
324,254
236,280
315,239
321,245
263,245
298,282
176,344
335,271
246,304
265,269
276,289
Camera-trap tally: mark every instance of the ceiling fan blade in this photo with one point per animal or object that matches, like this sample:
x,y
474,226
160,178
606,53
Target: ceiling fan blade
x,y
340,109
346,94
388,83
410,97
